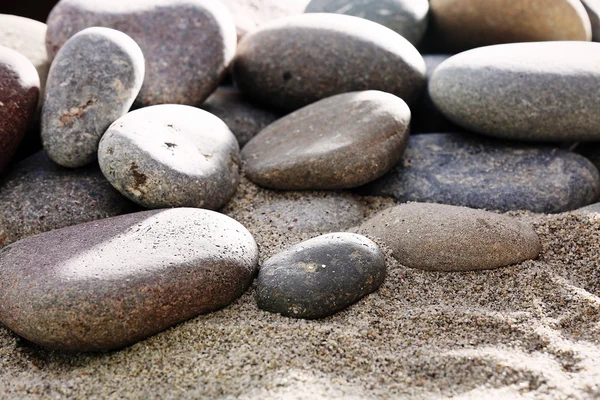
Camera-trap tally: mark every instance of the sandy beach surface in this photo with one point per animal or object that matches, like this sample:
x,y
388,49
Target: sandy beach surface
x,y
525,331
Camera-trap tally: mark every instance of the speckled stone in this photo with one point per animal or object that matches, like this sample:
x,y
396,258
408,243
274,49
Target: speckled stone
x,y
468,170
321,276
187,43
93,81
340,142
296,61
593,9
523,91
37,196
440,237
107,284
307,214
19,94
243,117
406,17
465,24
171,156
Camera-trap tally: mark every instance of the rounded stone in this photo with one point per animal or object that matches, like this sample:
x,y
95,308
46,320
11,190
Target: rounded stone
x,y
244,118
110,283
524,91
171,156
406,17
308,214
321,276
593,9
296,61
19,95
93,81
467,170
466,24
188,44
439,237
340,142
36,196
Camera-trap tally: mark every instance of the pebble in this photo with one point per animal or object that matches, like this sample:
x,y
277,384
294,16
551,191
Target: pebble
x,y
592,210
93,81
110,283
593,9
19,95
406,17
340,142
439,237
296,61
171,155
36,196
466,24
312,214
187,43
244,118
467,170
321,276
512,91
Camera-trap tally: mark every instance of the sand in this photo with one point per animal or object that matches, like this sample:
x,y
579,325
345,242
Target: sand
x,y
525,331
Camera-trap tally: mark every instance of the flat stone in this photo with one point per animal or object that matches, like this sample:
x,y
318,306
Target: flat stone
x,y
465,24
592,210
593,9
108,284
243,117
171,156
187,43
19,94
525,91
468,170
93,81
312,214
37,195
439,237
321,276
340,142
406,17
296,61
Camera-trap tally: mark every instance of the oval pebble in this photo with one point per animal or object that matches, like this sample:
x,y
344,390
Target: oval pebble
x,y
171,156
439,237
93,81
524,91
321,276
340,142
467,170
406,17
188,44
108,284
593,9
295,61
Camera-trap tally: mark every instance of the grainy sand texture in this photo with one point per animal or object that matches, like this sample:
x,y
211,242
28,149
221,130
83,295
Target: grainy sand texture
x,y
527,331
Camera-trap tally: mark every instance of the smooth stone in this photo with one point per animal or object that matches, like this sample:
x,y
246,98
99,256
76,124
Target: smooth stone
x,y
110,283
467,170
296,61
406,17
465,24
312,214
439,237
36,196
526,91
321,276
593,9
244,118
93,81
592,210
341,142
188,44
19,95
171,155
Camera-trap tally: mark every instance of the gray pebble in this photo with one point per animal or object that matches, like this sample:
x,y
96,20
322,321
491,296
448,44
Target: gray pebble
x,y
171,156
93,81
593,9
321,276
